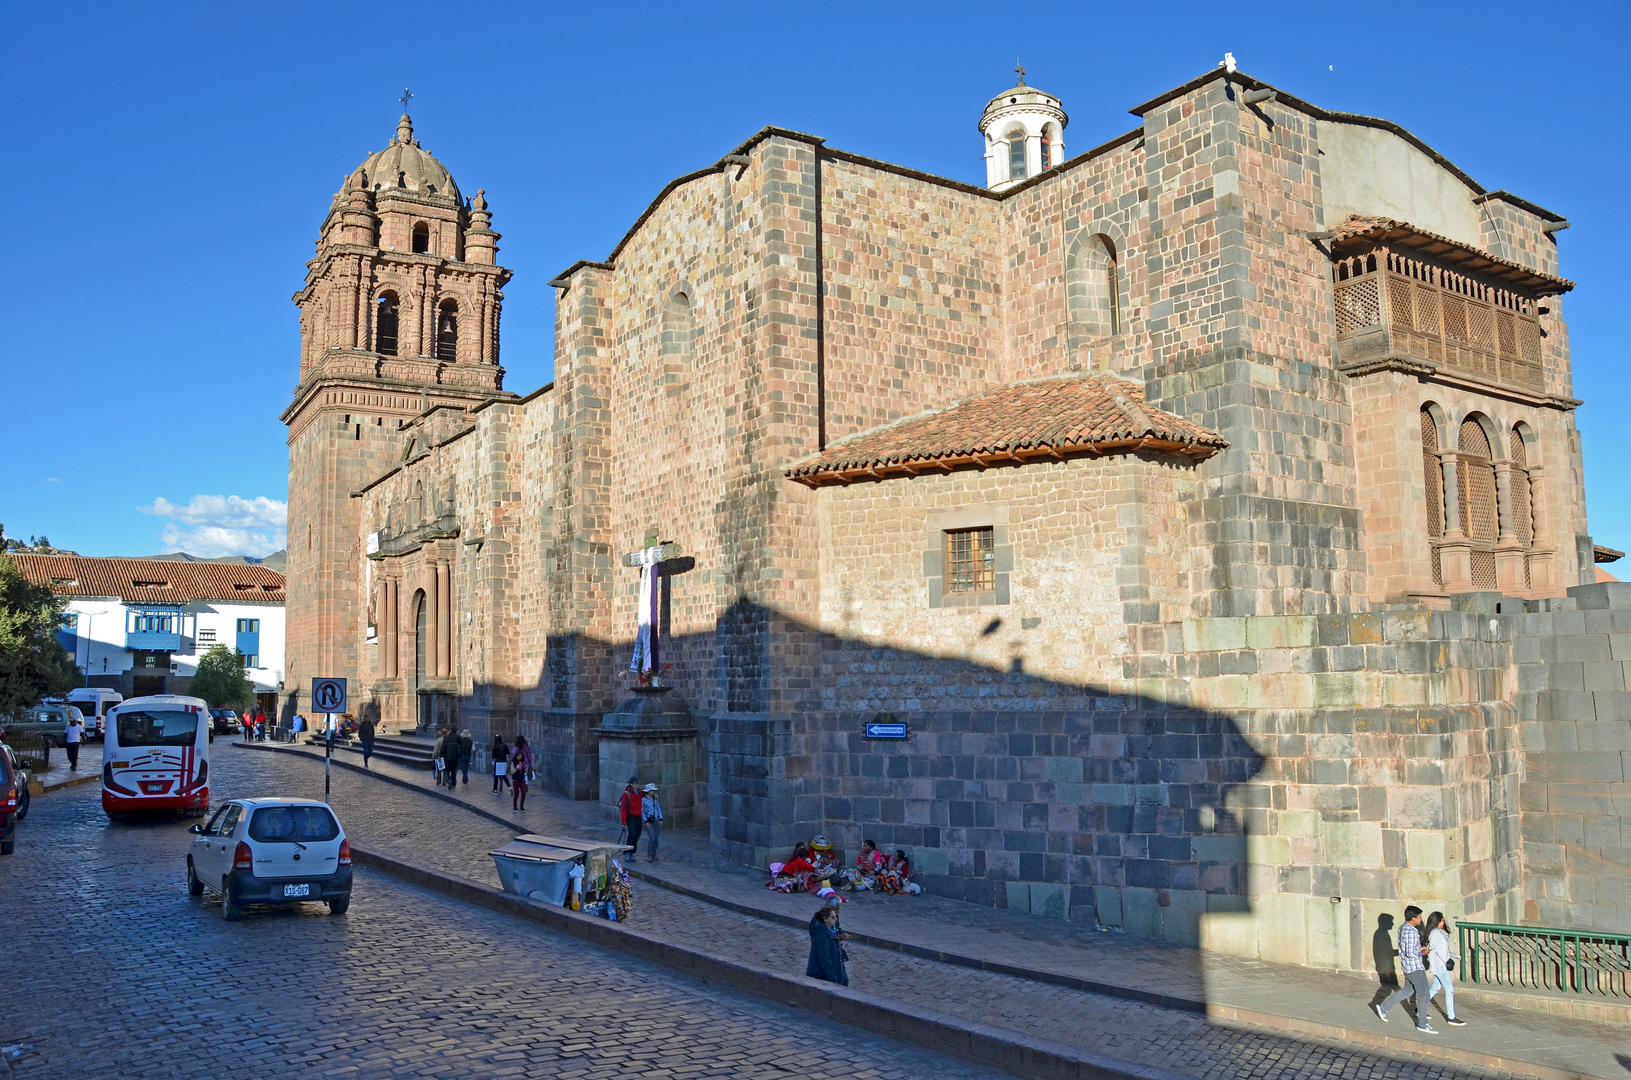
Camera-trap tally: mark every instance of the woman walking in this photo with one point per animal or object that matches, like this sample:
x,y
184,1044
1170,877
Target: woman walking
x,y
501,763
467,750
1439,962
826,948
651,816
520,773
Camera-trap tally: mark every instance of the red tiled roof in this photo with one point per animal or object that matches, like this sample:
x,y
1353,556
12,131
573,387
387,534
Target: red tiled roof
x,y
151,581
1358,231
1041,419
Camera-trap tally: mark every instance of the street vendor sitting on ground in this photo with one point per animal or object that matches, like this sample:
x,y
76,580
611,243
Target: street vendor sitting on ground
x,y
797,874
826,864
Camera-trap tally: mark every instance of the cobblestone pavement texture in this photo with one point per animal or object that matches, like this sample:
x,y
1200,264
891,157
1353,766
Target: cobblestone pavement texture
x,y
114,971
414,827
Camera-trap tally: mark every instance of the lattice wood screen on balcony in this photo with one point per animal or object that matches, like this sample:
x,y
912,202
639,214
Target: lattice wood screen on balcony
x,y
1433,313
1433,477
1478,512
1523,510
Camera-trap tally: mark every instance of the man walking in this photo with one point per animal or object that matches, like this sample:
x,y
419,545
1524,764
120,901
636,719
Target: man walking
x,y
629,806
1413,970
71,736
365,735
467,750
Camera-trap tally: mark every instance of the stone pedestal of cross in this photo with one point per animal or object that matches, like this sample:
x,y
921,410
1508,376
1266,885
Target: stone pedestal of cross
x,y
649,559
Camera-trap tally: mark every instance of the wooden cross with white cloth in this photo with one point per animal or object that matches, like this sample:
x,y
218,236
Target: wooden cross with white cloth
x,y
649,559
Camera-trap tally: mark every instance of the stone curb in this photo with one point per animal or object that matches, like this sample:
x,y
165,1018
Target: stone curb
x,y
40,787
1393,1045
980,1043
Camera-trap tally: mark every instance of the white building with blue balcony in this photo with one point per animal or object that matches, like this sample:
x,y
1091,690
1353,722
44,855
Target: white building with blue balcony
x,y
140,626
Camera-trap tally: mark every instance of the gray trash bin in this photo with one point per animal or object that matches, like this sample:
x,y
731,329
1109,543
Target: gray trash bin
x,y
540,867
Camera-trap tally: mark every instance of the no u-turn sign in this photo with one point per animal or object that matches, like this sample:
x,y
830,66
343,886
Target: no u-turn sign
x,y
328,695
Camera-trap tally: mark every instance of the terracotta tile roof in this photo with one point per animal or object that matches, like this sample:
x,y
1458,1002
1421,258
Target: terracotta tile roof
x,y
1358,233
1041,419
150,580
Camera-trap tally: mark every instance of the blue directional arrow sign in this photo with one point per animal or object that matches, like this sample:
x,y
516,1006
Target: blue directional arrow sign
x,y
328,695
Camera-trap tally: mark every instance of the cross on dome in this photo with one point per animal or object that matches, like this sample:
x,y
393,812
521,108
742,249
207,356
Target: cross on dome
x,y
1021,69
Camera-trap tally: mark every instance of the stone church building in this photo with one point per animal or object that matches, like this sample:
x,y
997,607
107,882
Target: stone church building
x,y
1207,505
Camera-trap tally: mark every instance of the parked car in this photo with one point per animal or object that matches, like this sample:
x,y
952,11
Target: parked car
x,y
271,851
18,768
49,721
223,721
13,800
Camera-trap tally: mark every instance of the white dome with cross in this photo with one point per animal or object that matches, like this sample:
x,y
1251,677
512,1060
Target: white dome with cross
x,y
1024,131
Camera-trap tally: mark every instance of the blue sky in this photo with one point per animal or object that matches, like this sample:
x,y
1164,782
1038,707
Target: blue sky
x,y
169,165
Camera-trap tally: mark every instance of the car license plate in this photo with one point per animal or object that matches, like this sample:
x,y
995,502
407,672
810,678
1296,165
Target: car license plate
x,y
296,890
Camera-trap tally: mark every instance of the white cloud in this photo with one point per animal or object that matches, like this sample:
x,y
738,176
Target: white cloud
x,y
213,525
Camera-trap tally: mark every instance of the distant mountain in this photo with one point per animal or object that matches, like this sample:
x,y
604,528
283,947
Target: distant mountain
x,y
273,561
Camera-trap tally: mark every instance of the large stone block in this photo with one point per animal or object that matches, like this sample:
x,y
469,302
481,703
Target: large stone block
x,y
1352,843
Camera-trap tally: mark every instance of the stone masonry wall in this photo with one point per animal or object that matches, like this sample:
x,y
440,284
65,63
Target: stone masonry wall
x,y
1574,709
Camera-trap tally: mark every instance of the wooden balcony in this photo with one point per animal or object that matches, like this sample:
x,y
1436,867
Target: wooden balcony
x,y
1398,310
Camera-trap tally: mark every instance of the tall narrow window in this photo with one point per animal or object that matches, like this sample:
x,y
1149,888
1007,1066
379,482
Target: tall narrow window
x,y
1047,150
1110,286
447,332
421,239
1432,474
1523,498
970,560
1016,156
385,317
1479,515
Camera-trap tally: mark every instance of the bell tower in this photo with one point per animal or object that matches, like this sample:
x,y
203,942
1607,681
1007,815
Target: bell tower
x,y
399,315
1024,131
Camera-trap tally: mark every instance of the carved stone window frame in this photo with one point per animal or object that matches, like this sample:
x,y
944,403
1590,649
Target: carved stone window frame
x,y
993,516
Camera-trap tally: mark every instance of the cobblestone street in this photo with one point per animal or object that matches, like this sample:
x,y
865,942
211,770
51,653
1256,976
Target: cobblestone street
x,y
410,983
115,971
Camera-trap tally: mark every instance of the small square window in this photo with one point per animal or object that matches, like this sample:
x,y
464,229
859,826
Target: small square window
x,y
970,560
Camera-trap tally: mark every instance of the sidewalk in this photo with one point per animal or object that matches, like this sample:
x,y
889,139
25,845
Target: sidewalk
x,y
59,775
1050,978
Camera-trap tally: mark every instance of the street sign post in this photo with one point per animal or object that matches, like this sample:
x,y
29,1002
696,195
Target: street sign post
x,y
328,695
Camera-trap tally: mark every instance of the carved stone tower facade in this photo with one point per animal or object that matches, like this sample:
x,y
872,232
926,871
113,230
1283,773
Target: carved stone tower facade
x,y
398,318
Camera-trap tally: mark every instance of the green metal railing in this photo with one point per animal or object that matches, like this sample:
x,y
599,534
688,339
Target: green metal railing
x,y
1536,957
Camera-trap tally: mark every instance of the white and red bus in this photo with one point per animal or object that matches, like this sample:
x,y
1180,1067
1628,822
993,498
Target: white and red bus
x,y
156,755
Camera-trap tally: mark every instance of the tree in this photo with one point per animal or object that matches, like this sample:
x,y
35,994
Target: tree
x,y
33,663
220,678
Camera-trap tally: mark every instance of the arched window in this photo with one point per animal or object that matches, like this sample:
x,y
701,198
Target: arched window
x,y
677,325
1432,474
1480,516
1047,149
385,317
447,332
416,506
1016,156
421,239
1092,287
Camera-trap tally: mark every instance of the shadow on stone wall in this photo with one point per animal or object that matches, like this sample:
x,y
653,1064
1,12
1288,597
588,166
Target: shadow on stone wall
x,y
1013,790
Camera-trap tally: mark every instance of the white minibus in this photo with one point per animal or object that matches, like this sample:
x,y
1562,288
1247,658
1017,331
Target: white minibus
x,y
94,702
156,755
